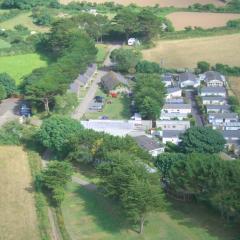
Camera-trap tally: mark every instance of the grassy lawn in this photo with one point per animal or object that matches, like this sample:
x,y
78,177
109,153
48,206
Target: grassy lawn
x,y
17,209
88,215
21,65
4,44
102,52
185,53
24,19
118,109
235,85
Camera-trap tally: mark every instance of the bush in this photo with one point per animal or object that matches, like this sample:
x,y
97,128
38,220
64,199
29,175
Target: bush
x,y
3,93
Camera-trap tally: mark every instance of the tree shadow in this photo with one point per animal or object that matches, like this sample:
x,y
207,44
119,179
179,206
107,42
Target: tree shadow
x,y
198,216
106,213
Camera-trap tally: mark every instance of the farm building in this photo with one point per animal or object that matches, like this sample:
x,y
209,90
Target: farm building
x,y
213,91
150,145
188,79
214,79
114,82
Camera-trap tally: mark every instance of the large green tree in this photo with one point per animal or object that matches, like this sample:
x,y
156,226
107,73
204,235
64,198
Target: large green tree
x,y
127,179
202,140
8,83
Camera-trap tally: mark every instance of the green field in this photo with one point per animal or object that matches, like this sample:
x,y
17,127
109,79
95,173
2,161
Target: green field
x,y
21,65
88,215
102,52
24,19
4,44
114,108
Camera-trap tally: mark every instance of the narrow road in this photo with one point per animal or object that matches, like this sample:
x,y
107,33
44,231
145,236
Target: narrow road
x,y
83,106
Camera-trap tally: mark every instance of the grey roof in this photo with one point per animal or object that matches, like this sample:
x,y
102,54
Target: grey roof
x,y
217,107
220,98
171,133
177,106
231,134
187,76
147,143
173,89
231,124
174,101
223,115
167,77
213,90
212,75
112,79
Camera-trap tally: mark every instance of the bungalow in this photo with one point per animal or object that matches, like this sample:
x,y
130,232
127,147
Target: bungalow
x,y
150,145
188,79
173,125
214,100
178,111
174,92
213,91
218,108
114,82
172,136
83,80
217,119
214,79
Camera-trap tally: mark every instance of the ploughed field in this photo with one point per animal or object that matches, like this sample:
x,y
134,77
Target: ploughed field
x,y
18,219
181,20
185,53
162,3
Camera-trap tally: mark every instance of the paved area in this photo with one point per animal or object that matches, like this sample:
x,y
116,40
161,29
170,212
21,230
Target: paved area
x,y
195,111
83,106
9,110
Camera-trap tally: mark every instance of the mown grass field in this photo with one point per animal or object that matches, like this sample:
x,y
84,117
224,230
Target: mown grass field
x,y
24,19
186,53
114,108
21,65
17,209
162,3
102,52
181,20
89,216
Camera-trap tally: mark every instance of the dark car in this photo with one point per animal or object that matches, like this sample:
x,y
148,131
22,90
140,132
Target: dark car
x,y
25,110
99,99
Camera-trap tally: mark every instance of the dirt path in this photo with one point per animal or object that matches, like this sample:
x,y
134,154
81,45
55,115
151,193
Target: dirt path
x,y
83,106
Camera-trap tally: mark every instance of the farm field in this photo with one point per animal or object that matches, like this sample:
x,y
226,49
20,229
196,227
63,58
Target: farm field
x,y
162,3
186,53
21,65
181,20
87,215
25,20
17,211
235,85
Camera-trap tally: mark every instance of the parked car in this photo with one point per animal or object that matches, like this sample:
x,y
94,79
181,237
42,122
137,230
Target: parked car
x,y
25,110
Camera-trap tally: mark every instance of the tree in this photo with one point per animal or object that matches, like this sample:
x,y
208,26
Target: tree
x,y
127,179
57,131
125,59
54,178
202,140
203,66
148,67
3,93
8,83
42,17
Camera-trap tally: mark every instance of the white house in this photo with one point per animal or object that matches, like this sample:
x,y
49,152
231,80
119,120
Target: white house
x,y
218,108
214,100
213,91
173,125
153,147
188,79
218,119
174,92
214,79
178,100
167,79
231,126
172,136
178,111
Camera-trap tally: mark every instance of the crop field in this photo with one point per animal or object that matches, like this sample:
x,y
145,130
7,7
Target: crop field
x,y
17,209
186,53
24,19
235,85
89,216
162,3
181,20
21,65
